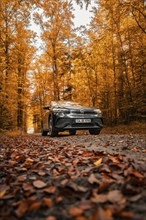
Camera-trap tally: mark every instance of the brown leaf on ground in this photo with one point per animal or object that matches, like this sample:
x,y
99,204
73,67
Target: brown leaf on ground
x,y
92,179
114,159
51,218
126,215
101,214
3,191
59,199
64,182
39,184
81,218
136,174
115,196
99,198
48,202
135,198
78,188
22,208
34,205
28,162
85,204
41,173
75,211
28,187
22,177
50,189
105,184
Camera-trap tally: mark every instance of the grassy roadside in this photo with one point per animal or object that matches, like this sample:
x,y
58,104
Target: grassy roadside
x,y
132,128
12,132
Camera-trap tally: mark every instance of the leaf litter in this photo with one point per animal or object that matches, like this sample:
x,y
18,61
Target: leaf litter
x,y
73,178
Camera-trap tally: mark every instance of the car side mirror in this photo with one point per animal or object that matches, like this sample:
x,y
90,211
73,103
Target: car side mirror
x,y
46,107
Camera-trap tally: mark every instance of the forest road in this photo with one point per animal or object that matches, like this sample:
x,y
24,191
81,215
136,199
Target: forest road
x,y
131,146
81,177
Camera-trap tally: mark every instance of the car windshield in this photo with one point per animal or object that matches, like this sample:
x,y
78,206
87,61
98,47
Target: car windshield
x,y
64,104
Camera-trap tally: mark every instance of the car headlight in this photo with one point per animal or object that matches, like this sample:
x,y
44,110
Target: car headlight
x,y
61,112
98,112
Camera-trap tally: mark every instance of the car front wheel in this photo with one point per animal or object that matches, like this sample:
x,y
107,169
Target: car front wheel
x,y
52,132
94,131
44,133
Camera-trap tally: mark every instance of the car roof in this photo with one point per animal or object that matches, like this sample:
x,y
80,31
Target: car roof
x,y
64,103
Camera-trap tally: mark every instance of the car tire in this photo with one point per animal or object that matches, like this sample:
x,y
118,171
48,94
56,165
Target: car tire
x,y
44,133
52,132
94,131
72,132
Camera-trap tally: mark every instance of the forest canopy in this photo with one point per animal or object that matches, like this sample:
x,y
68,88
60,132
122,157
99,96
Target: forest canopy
x,y
103,65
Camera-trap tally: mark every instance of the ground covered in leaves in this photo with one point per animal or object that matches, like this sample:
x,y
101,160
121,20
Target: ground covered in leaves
x,y
82,177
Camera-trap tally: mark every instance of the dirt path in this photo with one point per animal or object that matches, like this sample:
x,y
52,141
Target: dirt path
x,y
129,145
73,177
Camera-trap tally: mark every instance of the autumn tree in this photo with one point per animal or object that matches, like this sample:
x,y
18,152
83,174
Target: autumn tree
x,y
115,19
111,64
23,53
15,47
55,20
42,88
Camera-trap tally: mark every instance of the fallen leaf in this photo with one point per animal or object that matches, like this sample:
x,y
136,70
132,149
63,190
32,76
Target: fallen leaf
x,y
35,205
3,192
134,198
28,188
48,202
104,184
101,214
22,209
85,204
78,188
75,211
81,218
92,179
28,162
127,215
136,174
114,159
21,178
39,184
59,199
51,218
41,173
64,182
115,196
101,198
98,162
50,189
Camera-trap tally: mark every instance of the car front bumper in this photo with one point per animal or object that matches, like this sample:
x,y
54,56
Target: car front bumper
x,y
70,122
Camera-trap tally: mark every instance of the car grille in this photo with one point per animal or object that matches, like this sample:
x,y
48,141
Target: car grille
x,y
83,112
82,125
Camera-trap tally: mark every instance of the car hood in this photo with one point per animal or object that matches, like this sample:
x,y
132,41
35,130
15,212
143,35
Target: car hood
x,y
76,108
72,106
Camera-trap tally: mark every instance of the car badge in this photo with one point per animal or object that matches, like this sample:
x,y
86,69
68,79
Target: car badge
x,y
82,111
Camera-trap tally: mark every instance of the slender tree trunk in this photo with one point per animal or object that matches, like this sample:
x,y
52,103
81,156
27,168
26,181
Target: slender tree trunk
x,y
115,80
7,61
55,73
20,96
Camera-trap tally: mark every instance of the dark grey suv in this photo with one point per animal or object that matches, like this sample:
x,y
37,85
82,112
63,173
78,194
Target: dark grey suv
x,y
70,116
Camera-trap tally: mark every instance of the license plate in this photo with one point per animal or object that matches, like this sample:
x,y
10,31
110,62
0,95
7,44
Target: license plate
x,y
83,120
